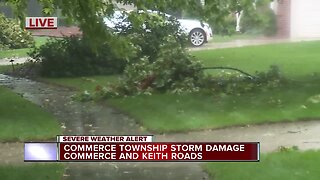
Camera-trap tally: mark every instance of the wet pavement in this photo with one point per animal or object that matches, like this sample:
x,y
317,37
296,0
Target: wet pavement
x,y
100,119
303,134
136,171
11,153
91,119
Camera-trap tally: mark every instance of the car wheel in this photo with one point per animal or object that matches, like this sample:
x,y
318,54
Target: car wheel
x,y
197,37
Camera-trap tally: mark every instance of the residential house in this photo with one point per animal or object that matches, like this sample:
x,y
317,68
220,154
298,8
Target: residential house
x,y
298,19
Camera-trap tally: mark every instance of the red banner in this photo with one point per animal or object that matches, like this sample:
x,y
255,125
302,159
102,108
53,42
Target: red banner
x,y
154,151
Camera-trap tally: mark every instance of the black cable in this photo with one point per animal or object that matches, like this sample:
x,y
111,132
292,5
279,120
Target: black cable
x,y
230,68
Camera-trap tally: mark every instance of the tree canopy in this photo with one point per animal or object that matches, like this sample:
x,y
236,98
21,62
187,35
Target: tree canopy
x,y
89,14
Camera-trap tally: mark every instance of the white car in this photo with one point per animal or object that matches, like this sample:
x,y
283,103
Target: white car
x,y
197,31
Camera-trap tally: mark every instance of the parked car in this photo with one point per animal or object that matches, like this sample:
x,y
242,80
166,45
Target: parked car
x,y
197,31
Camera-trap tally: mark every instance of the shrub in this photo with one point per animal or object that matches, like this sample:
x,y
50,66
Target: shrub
x,y
173,70
260,21
152,31
13,36
73,56
225,25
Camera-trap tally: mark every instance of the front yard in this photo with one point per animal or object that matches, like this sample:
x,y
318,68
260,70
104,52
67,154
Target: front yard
x,y
168,113
296,100
22,120
32,172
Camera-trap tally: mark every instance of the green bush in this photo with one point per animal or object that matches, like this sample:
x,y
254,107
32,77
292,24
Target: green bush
x,y
224,26
152,31
12,36
260,21
73,56
173,71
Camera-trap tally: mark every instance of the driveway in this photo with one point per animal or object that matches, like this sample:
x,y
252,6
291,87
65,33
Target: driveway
x,y
248,42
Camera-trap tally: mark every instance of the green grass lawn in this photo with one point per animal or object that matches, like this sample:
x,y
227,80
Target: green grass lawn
x,y
295,60
14,53
165,112
293,165
22,120
32,172
21,52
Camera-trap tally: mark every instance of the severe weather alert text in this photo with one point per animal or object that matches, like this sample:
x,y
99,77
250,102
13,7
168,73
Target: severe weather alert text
x,y
152,151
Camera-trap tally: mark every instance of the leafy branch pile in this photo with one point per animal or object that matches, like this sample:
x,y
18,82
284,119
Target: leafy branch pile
x,y
237,83
174,70
147,78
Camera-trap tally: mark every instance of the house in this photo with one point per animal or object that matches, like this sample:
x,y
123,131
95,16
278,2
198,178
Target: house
x,y
298,19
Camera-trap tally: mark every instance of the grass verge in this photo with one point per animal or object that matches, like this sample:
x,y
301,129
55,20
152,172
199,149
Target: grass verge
x,y
32,172
22,120
293,165
228,38
21,52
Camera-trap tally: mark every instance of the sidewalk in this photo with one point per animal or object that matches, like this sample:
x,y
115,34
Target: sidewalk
x,y
20,60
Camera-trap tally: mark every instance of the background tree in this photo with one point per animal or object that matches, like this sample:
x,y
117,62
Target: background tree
x,y
88,14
